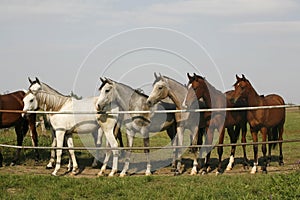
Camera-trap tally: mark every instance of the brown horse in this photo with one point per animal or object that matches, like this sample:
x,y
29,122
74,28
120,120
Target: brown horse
x,y
269,121
13,101
234,121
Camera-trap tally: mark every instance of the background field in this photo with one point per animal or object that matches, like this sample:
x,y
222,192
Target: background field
x,y
31,180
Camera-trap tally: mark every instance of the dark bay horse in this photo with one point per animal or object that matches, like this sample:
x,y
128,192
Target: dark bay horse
x,y
270,122
13,101
234,121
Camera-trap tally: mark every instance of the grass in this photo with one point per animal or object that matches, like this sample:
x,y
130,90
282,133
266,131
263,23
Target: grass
x,y
30,181
277,186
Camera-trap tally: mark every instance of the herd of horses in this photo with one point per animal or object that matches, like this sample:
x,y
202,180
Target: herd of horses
x,y
167,94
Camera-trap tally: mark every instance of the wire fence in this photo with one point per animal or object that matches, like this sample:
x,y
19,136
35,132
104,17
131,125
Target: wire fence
x,y
145,112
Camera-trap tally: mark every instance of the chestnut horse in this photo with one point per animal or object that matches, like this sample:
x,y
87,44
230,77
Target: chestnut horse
x,y
13,101
199,87
268,121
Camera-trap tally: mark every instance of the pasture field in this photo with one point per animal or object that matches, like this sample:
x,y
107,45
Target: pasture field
x,y
31,180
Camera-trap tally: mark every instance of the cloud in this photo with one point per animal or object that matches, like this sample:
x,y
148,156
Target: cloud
x,y
116,13
225,8
267,27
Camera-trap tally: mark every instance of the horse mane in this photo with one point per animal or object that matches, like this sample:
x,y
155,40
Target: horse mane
x,y
51,98
210,86
166,77
140,92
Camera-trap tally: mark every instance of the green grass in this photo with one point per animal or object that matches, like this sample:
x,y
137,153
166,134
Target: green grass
x,y
278,186
23,181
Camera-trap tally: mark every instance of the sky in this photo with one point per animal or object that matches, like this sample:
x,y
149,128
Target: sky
x,y
71,44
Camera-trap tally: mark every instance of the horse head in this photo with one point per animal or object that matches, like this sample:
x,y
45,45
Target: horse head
x,y
160,90
30,100
107,94
241,88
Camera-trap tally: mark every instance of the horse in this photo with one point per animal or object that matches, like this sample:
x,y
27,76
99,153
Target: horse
x,y
199,87
129,99
270,122
13,101
41,95
165,88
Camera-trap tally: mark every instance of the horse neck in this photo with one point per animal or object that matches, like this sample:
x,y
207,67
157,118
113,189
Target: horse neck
x,y
49,99
178,89
124,93
212,96
253,98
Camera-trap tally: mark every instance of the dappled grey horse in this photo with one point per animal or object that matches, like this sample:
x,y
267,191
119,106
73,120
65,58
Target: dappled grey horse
x,y
167,88
128,99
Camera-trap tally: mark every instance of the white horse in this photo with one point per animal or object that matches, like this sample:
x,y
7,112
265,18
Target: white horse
x,y
42,96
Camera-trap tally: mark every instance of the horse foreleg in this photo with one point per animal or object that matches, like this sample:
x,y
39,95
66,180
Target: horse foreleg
x,y
70,143
52,151
179,167
220,150
280,138
60,141
264,132
146,151
244,140
195,135
233,139
208,141
130,135
255,151
106,159
20,136
33,134
114,144
97,135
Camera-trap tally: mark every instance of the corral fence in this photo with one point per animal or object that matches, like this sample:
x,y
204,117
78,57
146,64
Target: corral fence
x,y
147,112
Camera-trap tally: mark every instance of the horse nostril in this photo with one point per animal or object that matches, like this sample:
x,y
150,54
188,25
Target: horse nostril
x,y
149,103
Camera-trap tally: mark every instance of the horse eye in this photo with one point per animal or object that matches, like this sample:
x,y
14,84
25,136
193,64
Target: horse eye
x,y
160,87
31,100
106,91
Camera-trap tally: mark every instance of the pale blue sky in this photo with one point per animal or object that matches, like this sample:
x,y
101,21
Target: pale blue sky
x,y
50,39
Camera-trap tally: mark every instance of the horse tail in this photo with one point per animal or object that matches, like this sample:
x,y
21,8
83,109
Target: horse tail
x,y
274,136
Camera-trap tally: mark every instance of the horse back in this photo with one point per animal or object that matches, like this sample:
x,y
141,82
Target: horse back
x,y
274,116
11,101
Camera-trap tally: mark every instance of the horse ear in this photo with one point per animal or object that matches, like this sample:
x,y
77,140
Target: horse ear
x,y
37,80
155,76
102,79
189,76
30,81
237,77
109,81
243,76
195,74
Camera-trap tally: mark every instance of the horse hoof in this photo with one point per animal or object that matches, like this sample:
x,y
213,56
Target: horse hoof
x,y
148,174
12,164
281,163
264,171
176,173
100,174
193,173
54,174
203,172
123,175
228,168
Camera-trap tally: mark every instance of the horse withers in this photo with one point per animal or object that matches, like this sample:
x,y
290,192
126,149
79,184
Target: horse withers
x,y
13,101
